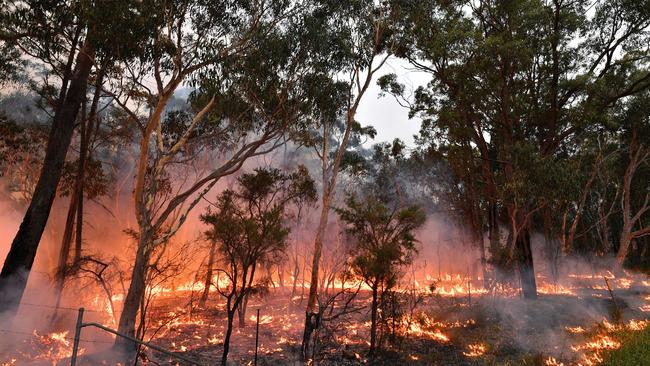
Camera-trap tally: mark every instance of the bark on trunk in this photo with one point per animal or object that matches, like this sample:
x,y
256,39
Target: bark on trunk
x,y
20,258
638,155
80,193
281,277
208,275
624,246
134,296
310,325
226,339
241,311
64,252
526,268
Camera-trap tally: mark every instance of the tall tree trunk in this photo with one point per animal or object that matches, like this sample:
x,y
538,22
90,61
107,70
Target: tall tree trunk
x,y
638,155
134,295
64,252
80,191
329,189
208,274
310,324
526,268
75,207
22,253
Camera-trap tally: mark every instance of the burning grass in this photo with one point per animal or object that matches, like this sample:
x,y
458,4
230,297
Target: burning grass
x,y
570,324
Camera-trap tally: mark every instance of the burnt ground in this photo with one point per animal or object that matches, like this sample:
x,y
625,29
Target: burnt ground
x,y
489,329
484,330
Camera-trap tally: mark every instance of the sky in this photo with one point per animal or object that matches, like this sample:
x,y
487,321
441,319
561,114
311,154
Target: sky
x,y
384,113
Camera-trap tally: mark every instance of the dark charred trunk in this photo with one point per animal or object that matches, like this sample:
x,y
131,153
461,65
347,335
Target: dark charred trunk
x,y
64,252
526,268
208,274
552,245
226,339
80,191
22,253
86,133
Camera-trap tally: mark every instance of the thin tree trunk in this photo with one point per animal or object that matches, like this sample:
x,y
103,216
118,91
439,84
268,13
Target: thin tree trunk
x,y
226,339
281,276
373,321
76,197
22,253
313,284
80,191
208,274
329,185
241,311
64,252
638,155
296,273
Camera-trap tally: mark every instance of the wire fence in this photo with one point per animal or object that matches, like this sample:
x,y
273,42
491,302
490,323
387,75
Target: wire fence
x,y
10,331
61,307
36,333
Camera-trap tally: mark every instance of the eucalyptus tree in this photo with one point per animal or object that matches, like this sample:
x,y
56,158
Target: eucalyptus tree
x,y
514,87
250,225
356,37
67,38
249,65
635,188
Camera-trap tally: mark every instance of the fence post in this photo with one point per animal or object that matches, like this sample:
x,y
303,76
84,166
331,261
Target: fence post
x,y
77,333
257,334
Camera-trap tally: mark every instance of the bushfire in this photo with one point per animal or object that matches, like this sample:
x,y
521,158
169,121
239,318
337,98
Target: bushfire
x,y
475,328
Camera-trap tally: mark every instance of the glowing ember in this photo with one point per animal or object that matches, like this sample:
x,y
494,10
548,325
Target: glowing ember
x,y
575,329
475,350
53,347
264,319
551,361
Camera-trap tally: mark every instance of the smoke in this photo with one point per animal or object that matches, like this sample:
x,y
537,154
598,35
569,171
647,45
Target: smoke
x,y
445,248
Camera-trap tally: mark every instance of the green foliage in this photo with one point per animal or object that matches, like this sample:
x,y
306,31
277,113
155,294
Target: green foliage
x,y
523,97
96,182
250,223
22,149
383,236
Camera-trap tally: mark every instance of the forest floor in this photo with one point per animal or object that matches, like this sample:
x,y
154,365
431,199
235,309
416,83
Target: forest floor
x,y
571,325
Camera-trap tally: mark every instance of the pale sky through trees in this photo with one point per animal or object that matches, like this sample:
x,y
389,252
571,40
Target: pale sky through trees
x,y
384,113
